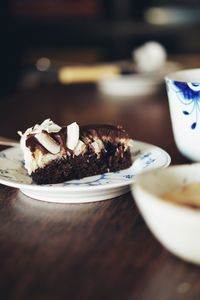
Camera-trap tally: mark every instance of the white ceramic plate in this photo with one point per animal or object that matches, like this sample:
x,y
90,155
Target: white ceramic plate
x,y
90,189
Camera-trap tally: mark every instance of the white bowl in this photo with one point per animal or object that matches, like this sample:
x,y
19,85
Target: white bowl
x,y
177,227
129,85
138,84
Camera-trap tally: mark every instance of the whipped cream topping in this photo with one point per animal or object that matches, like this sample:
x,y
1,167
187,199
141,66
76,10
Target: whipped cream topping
x,y
80,148
48,142
42,134
48,125
72,136
97,146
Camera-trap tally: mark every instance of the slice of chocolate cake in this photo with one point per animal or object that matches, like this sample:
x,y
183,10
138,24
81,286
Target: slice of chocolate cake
x,y
54,154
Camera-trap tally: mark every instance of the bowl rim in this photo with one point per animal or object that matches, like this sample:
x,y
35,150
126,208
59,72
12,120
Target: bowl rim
x,y
157,198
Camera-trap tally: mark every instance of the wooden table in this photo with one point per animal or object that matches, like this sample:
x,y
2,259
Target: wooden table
x,y
101,250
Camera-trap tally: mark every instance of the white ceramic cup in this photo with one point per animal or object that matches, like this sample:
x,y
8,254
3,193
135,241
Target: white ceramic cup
x,y
183,89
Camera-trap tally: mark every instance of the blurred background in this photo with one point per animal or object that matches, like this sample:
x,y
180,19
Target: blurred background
x,y
43,35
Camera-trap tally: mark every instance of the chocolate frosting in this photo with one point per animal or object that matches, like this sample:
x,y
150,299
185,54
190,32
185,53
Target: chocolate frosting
x,y
103,132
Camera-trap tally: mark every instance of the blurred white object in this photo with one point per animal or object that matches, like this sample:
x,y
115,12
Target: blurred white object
x,y
87,73
129,85
168,15
176,226
43,64
138,84
149,57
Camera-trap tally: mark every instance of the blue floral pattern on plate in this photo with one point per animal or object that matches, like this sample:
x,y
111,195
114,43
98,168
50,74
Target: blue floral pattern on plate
x,y
189,95
108,185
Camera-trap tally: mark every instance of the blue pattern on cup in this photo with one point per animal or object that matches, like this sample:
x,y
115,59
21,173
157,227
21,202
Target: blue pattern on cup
x,y
189,95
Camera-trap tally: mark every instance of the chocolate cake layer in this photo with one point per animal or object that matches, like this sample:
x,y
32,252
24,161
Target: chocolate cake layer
x,y
76,167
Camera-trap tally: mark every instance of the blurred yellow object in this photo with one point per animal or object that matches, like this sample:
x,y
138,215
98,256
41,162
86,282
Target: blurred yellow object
x,y
75,74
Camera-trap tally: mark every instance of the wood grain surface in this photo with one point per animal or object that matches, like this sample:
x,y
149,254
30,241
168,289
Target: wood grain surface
x,y
101,250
